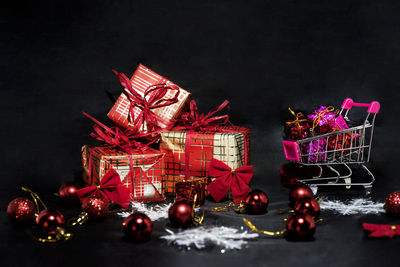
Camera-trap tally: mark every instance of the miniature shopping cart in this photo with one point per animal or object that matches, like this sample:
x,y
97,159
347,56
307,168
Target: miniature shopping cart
x,y
348,147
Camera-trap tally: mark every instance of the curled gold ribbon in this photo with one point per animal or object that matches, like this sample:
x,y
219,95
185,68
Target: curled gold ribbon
x,y
197,221
35,198
255,229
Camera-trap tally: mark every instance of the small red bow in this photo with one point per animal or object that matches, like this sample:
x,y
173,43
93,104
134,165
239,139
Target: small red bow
x,y
110,188
125,140
194,120
152,99
382,230
237,180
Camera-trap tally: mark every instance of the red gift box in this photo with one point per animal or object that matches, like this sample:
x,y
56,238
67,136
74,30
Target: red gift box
x,y
142,78
230,144
141,173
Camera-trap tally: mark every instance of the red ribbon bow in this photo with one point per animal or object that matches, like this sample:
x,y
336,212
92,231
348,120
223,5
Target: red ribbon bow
x,y
382,230
110,188
117,138
194,120
152,99
237,180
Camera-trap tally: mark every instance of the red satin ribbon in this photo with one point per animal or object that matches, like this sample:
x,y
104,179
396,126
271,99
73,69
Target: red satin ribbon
x,y
194,120
110,188
237,181
125,140
153,98
382,230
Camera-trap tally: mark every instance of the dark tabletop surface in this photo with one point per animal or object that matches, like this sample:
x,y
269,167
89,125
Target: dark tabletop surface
x,y
264,56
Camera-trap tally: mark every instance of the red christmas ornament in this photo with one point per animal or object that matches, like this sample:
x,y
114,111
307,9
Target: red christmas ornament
x,y
21,210
300,227
96,207
49,220
138,226
68,194
256,202
298,192
180,214
308,206
392,204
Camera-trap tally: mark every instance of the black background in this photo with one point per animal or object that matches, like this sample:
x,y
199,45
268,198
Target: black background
x,y
263,56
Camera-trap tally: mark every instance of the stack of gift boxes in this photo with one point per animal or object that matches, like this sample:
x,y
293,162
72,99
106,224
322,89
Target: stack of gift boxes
x,y
182,141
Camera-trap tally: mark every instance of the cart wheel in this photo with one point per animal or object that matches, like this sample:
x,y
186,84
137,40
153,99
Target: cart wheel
x,y
314,189
367,190
348,181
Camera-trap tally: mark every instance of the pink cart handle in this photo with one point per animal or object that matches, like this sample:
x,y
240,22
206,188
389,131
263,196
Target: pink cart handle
x,y
373,107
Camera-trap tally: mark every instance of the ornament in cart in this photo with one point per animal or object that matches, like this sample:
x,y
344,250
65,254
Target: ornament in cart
x,y
333,143
138,227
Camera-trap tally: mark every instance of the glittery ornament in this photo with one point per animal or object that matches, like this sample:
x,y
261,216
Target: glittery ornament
x,y
256,202
298,192
68,194
21,210
300,227
392,204
49,221
180,214
138,227
309,206
96,207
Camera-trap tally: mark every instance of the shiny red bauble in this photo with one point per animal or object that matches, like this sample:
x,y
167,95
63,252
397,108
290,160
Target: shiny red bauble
x,y
180,214
256,202
392,204
49,220
300,227
138,227
96,207
21,210
309,206
68,194
300,191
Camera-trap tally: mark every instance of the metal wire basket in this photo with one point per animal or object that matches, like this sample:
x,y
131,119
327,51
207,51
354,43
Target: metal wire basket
x,y
347,147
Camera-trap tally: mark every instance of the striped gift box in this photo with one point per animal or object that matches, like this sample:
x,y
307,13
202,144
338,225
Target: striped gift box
x,y
144,179
231,145
142,78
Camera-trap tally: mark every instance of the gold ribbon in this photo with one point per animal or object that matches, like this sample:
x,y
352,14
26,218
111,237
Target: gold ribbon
x,y
36,199
197,221
255,229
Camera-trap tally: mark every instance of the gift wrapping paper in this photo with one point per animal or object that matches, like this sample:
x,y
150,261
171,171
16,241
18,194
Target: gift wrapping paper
x,y
231,145
142,78
145,178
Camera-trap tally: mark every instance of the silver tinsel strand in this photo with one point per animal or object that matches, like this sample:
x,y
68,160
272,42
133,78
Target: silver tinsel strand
x,y
226,237
155,212
354,206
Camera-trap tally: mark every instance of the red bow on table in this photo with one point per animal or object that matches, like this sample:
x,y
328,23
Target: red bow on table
x,y
109,188
382,230
236,180
152,99
194,120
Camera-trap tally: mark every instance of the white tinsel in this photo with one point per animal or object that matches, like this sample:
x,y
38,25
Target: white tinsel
x,y
226,237
355,206
155,212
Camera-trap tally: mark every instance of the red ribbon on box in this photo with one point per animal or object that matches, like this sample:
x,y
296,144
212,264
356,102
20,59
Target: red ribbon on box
x,y
236,180
109,188
153,98
126,140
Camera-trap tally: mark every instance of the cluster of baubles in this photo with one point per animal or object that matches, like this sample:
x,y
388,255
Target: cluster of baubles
x,y
301,224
